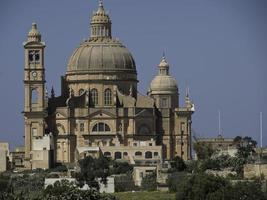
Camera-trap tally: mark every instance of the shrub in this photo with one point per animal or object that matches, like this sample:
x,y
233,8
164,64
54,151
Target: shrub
x,y
120,167
178,164
125,183
175,179
149,182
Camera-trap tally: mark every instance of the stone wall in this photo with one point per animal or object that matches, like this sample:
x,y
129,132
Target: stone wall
x,y
255,170
3,160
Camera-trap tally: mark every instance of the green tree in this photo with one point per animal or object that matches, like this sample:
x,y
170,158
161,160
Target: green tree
x,y
120,167
245,146
209,187
125,182
199,186
175,179
149,182
4,183
66,190
178,164
203,150
241,190
92,169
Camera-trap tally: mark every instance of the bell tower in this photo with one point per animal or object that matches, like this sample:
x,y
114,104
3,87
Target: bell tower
x,y
35,101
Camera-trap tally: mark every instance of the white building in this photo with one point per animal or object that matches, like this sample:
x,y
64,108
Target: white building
x,y
42,154
109,187
4,154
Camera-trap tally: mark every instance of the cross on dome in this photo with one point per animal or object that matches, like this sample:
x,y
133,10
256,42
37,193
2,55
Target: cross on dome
x,y
100,3
163,66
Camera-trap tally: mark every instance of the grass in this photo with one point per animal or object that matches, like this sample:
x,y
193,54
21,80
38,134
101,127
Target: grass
x,y
145,195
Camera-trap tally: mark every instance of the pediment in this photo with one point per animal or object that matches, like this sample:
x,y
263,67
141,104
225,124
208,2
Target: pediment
x,y
101,114
143,113
60,115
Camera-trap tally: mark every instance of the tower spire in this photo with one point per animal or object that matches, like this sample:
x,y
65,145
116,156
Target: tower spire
x,y
187,92
52,92
188,103
34,35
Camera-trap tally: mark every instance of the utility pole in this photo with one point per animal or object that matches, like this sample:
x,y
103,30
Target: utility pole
x,y
260,153
261,129
220,129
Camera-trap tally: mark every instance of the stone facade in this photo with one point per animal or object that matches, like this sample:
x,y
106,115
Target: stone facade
x,y
219,143
4,156
255,170
3,160
17,158
42,154
99,104
139,172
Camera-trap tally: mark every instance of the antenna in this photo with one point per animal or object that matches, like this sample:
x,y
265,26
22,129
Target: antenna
x,y
187,91
261,129
163,53
219,115
100,3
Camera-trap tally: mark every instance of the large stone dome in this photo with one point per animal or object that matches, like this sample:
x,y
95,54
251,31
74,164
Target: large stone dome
x,y
101,54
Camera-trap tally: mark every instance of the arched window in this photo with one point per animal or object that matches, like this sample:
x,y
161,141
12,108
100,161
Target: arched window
x,y
81,91
101,127
81,127
107,154
125,154
117,155
107,97
120,127
34,55
34,132
94,95
148,154
143,130
164,102
34,96
60,129
138,153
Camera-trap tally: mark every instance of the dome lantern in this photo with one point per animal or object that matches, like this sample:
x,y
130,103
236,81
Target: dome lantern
x,y
163,83
34,35
163,66
100,23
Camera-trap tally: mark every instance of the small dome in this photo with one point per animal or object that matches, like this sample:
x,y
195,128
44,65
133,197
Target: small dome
x,y
101,55
163,83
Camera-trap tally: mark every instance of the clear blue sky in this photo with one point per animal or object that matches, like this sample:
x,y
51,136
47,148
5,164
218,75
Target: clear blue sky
x,y
217,47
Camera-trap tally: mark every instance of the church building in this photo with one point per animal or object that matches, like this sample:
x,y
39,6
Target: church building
x,y
99,108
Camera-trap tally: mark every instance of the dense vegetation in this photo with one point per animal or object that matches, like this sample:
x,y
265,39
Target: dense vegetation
x,y
208,158
30,184
209,187
195,184
187,180
156,195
